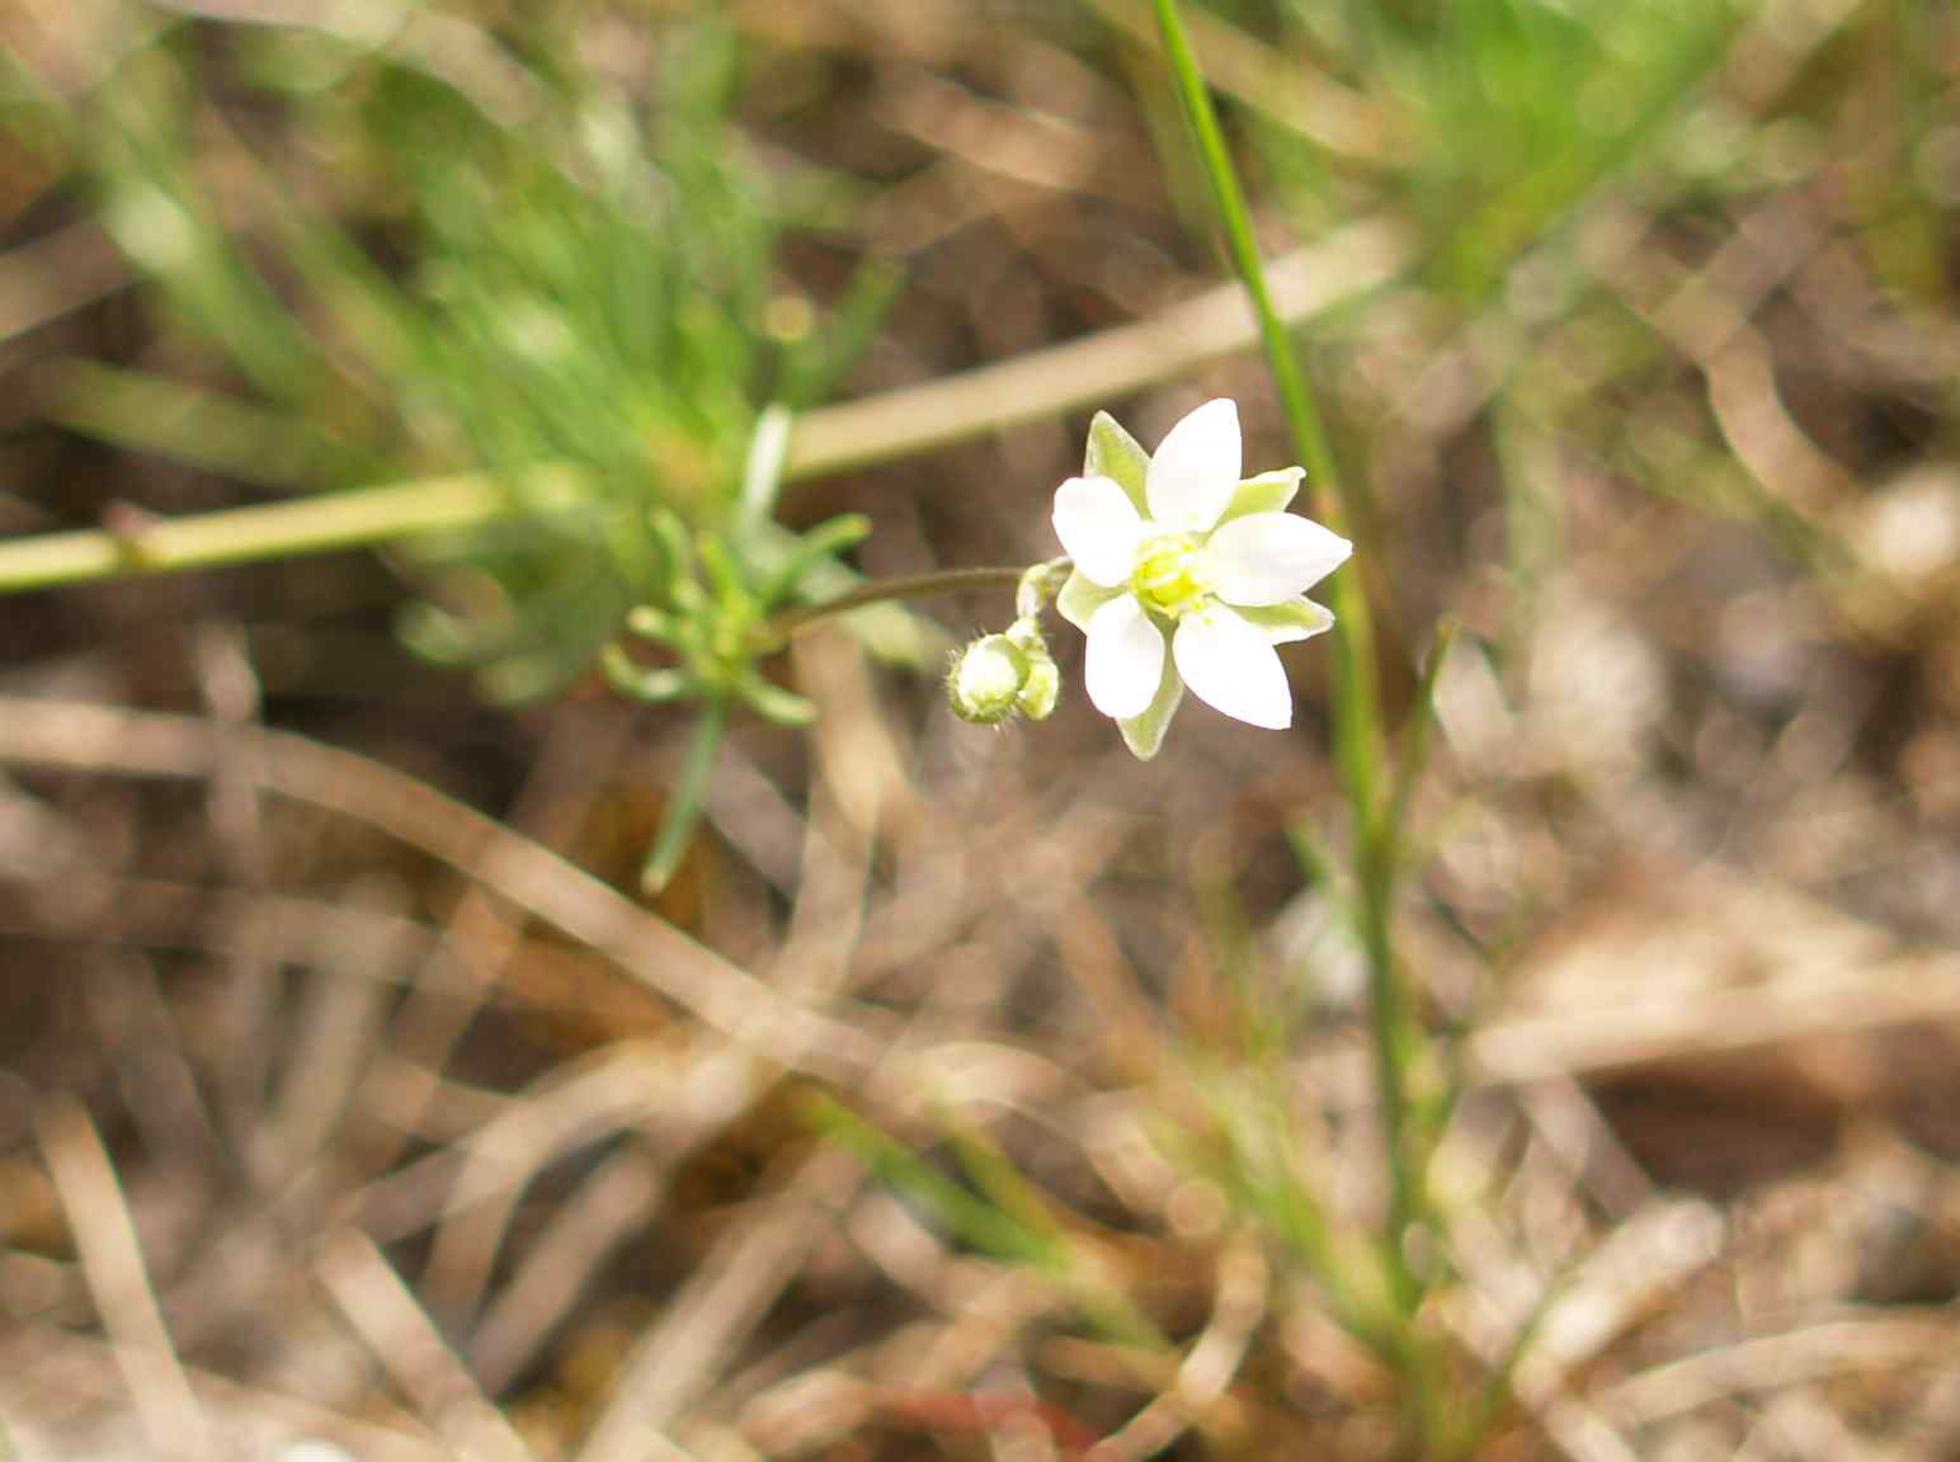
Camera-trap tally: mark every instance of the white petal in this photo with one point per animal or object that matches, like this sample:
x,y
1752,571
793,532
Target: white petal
x,y
1229,666
1196,469
1269,558
1125,662
1099,527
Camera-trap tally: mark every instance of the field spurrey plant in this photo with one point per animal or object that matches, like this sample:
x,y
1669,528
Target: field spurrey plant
x,y
566,372
602,417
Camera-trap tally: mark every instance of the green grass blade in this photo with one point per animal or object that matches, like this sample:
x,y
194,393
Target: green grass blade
x,y
683,810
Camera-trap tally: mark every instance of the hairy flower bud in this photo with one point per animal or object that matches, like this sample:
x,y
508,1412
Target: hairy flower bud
x,y
987,679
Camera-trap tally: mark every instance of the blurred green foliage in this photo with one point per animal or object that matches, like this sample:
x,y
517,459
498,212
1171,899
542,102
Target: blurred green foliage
x,y
1565,165
1494,116
503,266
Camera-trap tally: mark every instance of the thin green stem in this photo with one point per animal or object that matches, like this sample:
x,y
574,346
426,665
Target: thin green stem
x,y
915,586
1357,700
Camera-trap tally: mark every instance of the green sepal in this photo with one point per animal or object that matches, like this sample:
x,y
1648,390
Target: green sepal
x,y
1080,599
1043,687
1115,454
1269,492
1144,734
1282,624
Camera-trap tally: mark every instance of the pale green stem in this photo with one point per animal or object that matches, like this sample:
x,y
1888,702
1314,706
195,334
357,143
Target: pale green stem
x,y
319,524
1357,697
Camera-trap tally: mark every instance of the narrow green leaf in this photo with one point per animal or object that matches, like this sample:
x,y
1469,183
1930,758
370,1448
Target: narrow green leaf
x,y
1414,757
640,682
825,541
775,704
964,1215
683,809
219,433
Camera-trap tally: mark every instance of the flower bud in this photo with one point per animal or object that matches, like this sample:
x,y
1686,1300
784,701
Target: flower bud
x,y
1042,687
986,681
1041,682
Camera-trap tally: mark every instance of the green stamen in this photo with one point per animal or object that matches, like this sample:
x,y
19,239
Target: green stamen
x,y
1167,579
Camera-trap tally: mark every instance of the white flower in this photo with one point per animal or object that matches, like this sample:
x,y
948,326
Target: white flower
x,y
1186,575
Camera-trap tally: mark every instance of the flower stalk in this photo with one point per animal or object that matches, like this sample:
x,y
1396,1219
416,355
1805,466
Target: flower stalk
x,y
879,591
1359,739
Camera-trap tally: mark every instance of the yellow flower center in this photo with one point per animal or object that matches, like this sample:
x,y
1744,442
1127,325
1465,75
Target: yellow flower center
x,y
1166,578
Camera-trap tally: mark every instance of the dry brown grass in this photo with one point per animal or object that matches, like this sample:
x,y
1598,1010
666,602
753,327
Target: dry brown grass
x,y
343,1094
